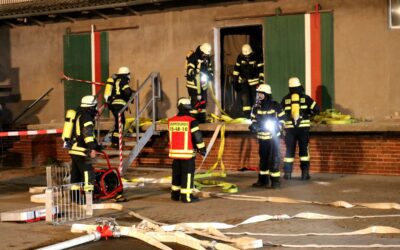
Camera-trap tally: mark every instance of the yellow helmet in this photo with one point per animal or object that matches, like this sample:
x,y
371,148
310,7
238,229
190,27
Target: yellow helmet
x,y
88,101
264,88
123,71
206,48
184,102
246,49
294,82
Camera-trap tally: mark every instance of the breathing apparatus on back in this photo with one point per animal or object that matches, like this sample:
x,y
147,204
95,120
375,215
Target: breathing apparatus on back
x,y
88,102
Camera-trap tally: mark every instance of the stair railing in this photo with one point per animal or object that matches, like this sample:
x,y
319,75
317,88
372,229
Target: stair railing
x,y
154,80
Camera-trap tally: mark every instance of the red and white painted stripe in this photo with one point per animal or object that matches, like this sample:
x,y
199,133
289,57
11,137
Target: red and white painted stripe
x,y
31,132
313,71
96,62
120,141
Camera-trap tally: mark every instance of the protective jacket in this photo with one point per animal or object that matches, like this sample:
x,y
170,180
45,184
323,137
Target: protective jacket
x,y
197,64
83,138
117,91
249,69
184,136
299,108
267,119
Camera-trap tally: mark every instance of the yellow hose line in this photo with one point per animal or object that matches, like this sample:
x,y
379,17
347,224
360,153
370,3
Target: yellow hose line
x,y
332,116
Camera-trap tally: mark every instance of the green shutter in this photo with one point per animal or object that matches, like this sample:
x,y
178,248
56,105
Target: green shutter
x,y
284,52
77,64
327,60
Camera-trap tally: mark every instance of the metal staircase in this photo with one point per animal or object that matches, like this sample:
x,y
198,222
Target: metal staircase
x,y
137,140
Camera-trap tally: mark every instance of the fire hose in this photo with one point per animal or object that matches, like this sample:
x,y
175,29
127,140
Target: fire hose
x,y
107,227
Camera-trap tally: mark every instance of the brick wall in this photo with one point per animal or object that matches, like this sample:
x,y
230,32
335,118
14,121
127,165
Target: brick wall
x,y
330,152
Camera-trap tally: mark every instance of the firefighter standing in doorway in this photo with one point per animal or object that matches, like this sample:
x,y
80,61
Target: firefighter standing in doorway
x,y
184,138
117,93
267,121
248,73
199,74
299,108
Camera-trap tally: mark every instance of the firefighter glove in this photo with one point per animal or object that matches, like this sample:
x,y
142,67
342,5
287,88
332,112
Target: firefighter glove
x,y
253,127
203,151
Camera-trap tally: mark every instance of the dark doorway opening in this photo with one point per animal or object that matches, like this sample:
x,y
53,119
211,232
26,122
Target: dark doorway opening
x,y
232,40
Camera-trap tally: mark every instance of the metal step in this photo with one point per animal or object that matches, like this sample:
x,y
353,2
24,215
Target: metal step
x,y
116,152
125,143
114,161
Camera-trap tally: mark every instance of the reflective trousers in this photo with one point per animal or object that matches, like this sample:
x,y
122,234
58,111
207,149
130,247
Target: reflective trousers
x,y
182,177
294,136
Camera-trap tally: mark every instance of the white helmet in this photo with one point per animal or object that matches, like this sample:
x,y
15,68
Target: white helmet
x,y
264,88
294,82
185,103
206,48
123,71
88,101
246,49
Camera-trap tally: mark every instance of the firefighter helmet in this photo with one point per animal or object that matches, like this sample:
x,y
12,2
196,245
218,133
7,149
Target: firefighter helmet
x,y
88,101
294,82
123,71
184,103
206,48
246,50
264,88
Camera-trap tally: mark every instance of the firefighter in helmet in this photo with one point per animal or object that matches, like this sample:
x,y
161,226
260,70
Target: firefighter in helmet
x,y
117,93
184,139
299,108
83,142
248,73
80,139
199,74
267,121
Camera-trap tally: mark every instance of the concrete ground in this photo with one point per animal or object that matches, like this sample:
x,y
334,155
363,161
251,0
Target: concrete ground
x,y
153,201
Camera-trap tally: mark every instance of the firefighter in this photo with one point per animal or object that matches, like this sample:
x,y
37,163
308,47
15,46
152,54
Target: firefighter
x,y
83,141
267,121
84,146
299,108
117,93
248,73
184,139
199,74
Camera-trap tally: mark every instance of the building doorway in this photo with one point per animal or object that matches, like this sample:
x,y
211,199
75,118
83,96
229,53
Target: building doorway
x,y
231,41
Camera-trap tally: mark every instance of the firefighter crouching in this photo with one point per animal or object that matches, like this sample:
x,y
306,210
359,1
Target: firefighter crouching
x,y
184,138
81,140
117,94
248,73
199,74
299,108
267,120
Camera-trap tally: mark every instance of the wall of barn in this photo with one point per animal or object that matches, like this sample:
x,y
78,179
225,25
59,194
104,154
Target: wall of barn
x,y
366,54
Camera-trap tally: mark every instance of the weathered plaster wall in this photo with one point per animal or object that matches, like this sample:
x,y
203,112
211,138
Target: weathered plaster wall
x,y
366,53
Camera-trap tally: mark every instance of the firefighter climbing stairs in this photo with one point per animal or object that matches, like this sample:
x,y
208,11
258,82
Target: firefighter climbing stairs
x,y
132,140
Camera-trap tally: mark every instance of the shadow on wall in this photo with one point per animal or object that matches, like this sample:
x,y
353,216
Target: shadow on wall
x,y
245,150
163,104
9,80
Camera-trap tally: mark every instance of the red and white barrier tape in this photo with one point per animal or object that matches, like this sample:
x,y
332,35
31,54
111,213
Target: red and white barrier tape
x,y
79,80
31,132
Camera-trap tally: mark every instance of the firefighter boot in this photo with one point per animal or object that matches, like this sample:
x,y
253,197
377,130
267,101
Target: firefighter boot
x,y
175,195
190,199
262,182
305,175
275,182
287,176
